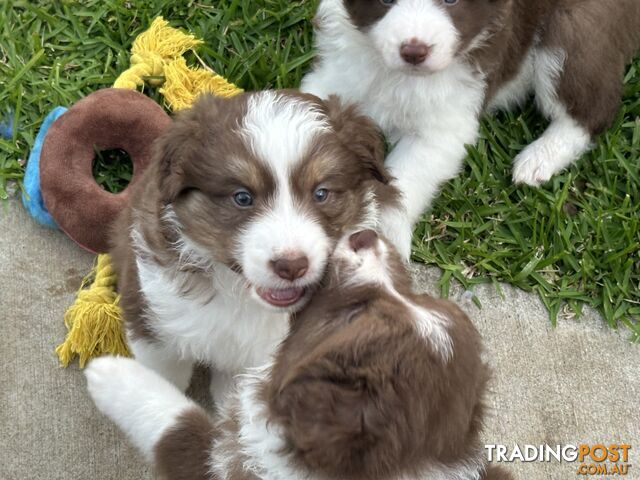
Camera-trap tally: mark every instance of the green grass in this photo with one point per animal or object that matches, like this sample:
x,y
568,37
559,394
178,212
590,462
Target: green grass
x,y
112,169
574,242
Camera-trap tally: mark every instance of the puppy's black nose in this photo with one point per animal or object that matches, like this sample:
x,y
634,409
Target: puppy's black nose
x,y
364,239
414,52
290,269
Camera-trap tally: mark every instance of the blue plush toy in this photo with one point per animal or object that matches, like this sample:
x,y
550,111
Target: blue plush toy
x,y
32,196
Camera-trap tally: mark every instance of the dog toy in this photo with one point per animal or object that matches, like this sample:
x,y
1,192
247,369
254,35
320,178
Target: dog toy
x,y
107,119
94,321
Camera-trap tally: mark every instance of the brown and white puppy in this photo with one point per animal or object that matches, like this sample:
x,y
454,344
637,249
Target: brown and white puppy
x,y
425,70
373,382
232,225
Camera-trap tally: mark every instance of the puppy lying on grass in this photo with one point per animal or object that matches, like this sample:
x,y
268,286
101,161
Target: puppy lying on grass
x,y
372,382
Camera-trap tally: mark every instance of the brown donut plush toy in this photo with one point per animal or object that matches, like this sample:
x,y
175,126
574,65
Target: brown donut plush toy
x,y
108,119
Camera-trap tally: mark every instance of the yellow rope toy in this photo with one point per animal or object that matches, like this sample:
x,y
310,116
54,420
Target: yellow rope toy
x,y
94,321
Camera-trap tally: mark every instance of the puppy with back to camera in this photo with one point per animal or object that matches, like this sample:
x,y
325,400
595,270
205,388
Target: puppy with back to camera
x,y
425,70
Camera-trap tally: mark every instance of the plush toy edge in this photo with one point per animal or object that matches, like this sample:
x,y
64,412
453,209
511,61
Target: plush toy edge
x,y
32,195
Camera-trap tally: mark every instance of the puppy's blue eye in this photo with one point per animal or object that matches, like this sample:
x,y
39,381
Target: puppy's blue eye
x,y
243,199
450,2
321,195
387,3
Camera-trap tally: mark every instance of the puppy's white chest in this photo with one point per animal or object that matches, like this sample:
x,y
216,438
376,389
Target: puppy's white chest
x,y
400,103
222,327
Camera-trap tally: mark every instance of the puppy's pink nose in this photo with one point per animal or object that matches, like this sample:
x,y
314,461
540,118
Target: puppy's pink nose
x,y
414,52
290,269
364,239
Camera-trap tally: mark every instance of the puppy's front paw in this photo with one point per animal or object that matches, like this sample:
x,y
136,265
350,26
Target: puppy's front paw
x,y
533,166
109,380
119,386
397,228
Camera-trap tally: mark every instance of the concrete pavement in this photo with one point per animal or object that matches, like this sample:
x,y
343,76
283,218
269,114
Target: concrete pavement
x,y
578,383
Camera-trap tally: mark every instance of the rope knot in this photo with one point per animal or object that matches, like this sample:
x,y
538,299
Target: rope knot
x,y
151,65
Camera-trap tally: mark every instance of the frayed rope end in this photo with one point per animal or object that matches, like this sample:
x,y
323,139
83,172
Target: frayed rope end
x,y
94,321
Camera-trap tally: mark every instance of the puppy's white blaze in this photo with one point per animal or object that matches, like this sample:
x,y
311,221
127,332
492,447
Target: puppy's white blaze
x,y
425,20
140,402
370,266
279,130
284,229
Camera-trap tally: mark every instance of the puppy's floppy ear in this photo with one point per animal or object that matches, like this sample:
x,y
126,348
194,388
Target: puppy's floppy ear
x,y
185,142
360,135
169,152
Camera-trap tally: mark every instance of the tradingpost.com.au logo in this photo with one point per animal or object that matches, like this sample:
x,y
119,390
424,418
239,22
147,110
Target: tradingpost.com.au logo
x,y
592,460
